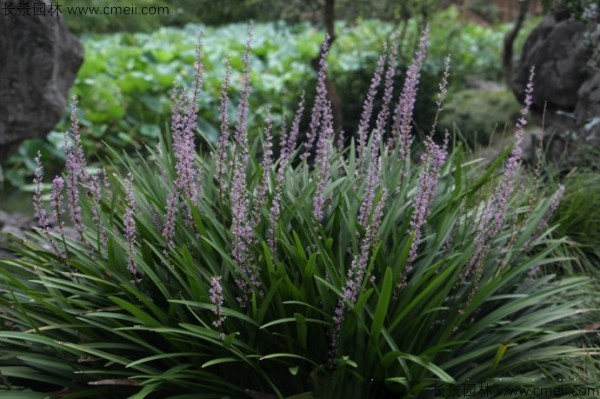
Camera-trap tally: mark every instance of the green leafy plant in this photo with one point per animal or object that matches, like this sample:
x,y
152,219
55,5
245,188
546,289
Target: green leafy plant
x,y
320,273
125,81
579,220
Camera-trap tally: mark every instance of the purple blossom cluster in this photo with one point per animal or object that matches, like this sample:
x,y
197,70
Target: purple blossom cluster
x,y
184,149
443,90
433,159
505,189
39,211
323,159
76,171
365,119
222,157
554,202
58,185
241,225
184,116
372,174
267,163
288,146
38,208
129,225
496,209
403,114
216,298
321,101
356,273
388,88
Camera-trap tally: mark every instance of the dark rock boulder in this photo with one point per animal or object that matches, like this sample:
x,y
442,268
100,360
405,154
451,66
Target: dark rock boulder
x,y
39,60
566,84
560,56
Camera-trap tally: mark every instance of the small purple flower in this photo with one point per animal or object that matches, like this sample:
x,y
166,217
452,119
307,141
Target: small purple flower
x,y
224,116
58,185
496,208
216,298
382,117
267,163
129,224
288,143
168,230
76,171
38,207
241,128
356,273
184,148
401,130
363,127
554,202
241,227
76,166
433,160
40,212
505,189
288,146
443,90
321,101
323,159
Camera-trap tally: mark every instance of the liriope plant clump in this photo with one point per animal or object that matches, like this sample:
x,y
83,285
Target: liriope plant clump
x,y
319,272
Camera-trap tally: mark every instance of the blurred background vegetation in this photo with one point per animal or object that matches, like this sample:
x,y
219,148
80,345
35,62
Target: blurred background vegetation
x,y
132,61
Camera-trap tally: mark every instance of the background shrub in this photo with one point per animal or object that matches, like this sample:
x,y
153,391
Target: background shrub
x,y
478,113
126,79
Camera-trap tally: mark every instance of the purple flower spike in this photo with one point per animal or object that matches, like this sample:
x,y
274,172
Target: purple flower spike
x,y
40,212
321,101
76,171
129,224
267,163
241,226
401,131
433,160
356,274
241,128
216,298
323,159
38,207
554,202
58,185
365,119
224,138
496,209
288,146
382,117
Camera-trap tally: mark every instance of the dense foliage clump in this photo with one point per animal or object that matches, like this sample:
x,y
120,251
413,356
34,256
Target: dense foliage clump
x,y
321,272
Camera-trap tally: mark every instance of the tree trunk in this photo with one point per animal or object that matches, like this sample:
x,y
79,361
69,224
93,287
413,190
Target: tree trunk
x,y
509,40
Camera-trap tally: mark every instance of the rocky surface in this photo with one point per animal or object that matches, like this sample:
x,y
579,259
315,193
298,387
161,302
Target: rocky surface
x,y
567,87
14,225
39,60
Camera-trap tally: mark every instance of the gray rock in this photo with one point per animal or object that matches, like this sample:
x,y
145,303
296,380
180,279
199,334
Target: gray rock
x,y
39,60
565,83
560,55
12,225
